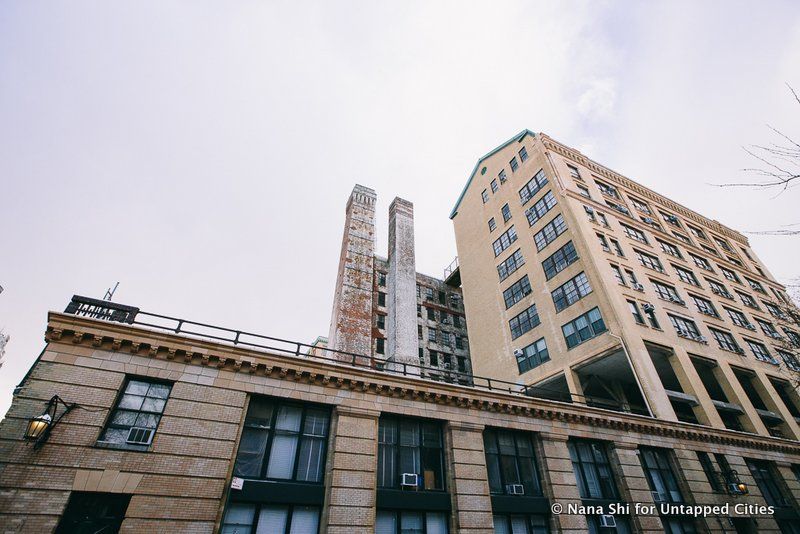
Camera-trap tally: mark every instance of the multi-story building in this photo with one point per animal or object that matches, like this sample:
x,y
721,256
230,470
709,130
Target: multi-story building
x,y
385,308
139,422
583,285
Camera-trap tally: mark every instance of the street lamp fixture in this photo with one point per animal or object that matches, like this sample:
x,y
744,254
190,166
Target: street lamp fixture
x,y
39,427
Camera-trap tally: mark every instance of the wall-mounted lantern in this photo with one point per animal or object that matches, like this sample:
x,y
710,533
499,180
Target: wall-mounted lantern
x,y
39,427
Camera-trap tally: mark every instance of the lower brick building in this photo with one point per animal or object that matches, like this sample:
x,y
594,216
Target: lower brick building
x,y
175,426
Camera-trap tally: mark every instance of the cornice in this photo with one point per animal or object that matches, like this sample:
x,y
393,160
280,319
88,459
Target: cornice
x,y
641,190
144,342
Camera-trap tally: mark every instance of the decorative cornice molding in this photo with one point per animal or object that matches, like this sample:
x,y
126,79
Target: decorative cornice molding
x,y
641,190
134,339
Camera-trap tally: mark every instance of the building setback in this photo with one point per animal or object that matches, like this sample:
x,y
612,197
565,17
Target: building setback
x,y
159,424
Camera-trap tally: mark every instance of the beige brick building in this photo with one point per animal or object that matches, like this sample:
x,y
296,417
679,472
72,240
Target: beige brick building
x,y
167,425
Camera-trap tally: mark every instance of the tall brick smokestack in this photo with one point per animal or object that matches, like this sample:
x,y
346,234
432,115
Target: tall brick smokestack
x,y
351,322
401,328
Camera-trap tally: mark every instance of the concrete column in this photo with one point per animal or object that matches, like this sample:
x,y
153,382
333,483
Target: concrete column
x,y
751,421
352,463
560,483
469,487
766,390
401,327
651,386
351,320
690,382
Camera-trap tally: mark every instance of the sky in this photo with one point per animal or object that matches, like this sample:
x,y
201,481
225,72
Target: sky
x,y
201,153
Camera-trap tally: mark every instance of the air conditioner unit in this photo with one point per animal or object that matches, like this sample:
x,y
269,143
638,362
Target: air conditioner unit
x,y
774,335
750,326
518,353
140,436
409,480
738,350
648,307
716,291
702,339
515,489
684,333
658,496
638,287
605,247
588,209
648,220
608,521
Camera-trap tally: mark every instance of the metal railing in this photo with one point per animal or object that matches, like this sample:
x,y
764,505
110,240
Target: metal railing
x,y
450,268
114,312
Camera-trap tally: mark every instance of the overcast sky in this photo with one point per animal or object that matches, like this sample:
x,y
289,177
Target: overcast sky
x,y
201,153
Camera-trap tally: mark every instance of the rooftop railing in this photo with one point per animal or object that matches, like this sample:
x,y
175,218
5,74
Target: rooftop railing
x,y
113,312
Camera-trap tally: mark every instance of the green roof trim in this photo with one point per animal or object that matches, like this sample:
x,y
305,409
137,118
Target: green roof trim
x,y
519,137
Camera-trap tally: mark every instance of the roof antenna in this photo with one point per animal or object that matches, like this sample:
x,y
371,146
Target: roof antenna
x,y
110,292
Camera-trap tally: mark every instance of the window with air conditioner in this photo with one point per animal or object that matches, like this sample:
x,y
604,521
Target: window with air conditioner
x,y
511,463
135,418
410,451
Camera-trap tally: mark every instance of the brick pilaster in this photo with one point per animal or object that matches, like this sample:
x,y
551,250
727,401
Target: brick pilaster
x,y
469,487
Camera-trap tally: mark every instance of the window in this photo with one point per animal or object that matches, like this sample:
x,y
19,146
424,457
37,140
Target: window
x,y
510,462
514,262
520,524
730,275
514,164
686,275
410,522
506,211
502,176
517,291
430,313
381,321
660,476
767,480
459,343
444,317
457,321
650,313
524,322
704,306
634,233
380,345
726,341
760,352
618,207
589,213
532,356
492,225
671,219
734,260
682,237
442,297
631,277
381,298
756,286
789,359
485,196
419,331
533,186
618,275
571,292
382,279
434,358
549,233
603,242
494,186
602,218
641,206
583,328
768,328
411,446
93,512
710,250
592,470
584,191
540,208
774,310
275,519
135,418
794,337
649,261
432,335
667,292
637,315
684,327
719,289
701,262
710,471
504,241
617,248
723,244
559,260
523,155
574,172
738,318
697,232
670,249
607,190
283,441
748,301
